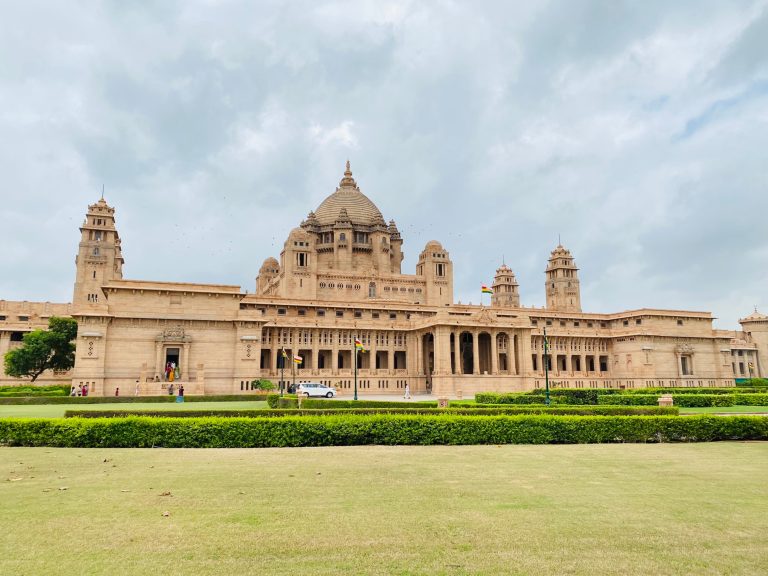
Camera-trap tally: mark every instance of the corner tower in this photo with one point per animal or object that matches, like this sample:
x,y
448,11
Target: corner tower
x,y
99,257
562,285
505,289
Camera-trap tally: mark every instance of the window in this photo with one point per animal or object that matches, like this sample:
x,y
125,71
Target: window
x,y
358,314
17,336
679,322
375,315
96,251
603,324
321,312
2,317
339,313
686,365
342,237
302,312
97,235
440,269
638,321
626,322
590,324
392,316
534,322
576,324
23,318
549,322
372,290
562,323
281,311
361,237
302,259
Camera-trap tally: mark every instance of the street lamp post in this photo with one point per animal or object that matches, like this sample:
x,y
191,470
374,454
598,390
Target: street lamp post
x,y
546,368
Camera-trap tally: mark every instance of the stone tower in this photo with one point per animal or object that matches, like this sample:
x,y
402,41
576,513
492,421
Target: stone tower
x,y
436,268
562,285
99,258
505,289
756,327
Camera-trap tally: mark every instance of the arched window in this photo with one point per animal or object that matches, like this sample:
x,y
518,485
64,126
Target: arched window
x,y
372,290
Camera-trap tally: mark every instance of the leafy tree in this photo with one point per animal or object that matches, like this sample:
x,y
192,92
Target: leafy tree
x,y
262,385
52,349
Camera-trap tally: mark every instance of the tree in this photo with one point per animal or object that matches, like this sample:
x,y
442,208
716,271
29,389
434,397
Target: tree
x,y
262,385
52,349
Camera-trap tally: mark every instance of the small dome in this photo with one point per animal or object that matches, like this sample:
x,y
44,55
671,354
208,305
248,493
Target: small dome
x,y
755,316
348,197
270,264
433,245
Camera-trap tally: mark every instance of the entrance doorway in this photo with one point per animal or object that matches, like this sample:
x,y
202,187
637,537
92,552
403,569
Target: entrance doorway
x,y
172,363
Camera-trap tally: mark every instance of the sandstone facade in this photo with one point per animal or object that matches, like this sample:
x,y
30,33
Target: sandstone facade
x,y
338,278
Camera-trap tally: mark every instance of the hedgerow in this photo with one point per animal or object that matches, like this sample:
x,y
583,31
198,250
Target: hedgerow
x,y
388,429
689,400
487,410
286,401
131,399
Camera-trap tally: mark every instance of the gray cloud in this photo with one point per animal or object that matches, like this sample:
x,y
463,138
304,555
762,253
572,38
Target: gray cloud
x,y
637,131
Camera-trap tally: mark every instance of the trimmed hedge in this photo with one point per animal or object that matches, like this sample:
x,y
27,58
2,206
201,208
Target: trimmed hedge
x,y
387,429
28,390
510,398
470,411
758,382
131,399
276,401
733,390
689,400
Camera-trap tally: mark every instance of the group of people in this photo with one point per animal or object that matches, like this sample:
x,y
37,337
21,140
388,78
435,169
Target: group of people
x,y
180,390
171,371
81,390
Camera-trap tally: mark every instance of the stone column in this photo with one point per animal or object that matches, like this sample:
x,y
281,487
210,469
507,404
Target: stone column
x,y
159,359
475,353
185,362
273,371
512,351
374,349
495,354
335,333
315,335
390,336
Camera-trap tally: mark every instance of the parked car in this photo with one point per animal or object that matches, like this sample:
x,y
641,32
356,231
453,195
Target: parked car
x,y
316,389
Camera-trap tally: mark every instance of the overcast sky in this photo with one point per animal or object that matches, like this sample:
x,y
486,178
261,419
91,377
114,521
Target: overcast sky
x,y
638,131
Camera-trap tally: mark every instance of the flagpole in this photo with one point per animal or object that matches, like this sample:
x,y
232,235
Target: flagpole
x,y
354,359
546,368
282,371
293,370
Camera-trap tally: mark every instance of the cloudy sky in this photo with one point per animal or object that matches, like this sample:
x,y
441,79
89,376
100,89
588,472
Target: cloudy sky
x,y
637,131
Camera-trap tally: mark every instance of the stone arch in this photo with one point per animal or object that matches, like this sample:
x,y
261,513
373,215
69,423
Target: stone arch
x,y
466,353
484,352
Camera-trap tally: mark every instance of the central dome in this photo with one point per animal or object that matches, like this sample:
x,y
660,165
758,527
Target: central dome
x,y
358,206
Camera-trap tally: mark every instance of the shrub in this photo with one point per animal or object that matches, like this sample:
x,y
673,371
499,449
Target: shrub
x,y
750,399
386,429
488,410
53,390
509,398
129,399
291,401
755,382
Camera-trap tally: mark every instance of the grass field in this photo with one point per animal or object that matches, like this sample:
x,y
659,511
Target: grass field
x,y
57,410
589,509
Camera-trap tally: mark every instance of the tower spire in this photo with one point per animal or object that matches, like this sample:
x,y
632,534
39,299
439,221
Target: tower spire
x,y
102,191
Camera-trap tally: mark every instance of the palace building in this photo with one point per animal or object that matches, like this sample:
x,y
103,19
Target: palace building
x,y
338,278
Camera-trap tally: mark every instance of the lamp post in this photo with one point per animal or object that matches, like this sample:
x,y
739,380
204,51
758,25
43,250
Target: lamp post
x,y
546,368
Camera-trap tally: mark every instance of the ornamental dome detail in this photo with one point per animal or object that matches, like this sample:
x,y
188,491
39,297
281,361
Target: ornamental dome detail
x,y
360,210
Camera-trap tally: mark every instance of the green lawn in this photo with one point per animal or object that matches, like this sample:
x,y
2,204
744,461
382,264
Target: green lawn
x,y
726,410
57,410
583,509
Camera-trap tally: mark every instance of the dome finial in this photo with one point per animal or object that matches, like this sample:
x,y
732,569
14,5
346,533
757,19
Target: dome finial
x,y
348,181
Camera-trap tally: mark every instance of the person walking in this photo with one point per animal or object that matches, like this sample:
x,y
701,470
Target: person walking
x,y
74,391
407,394
136,392
170,389
117,391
